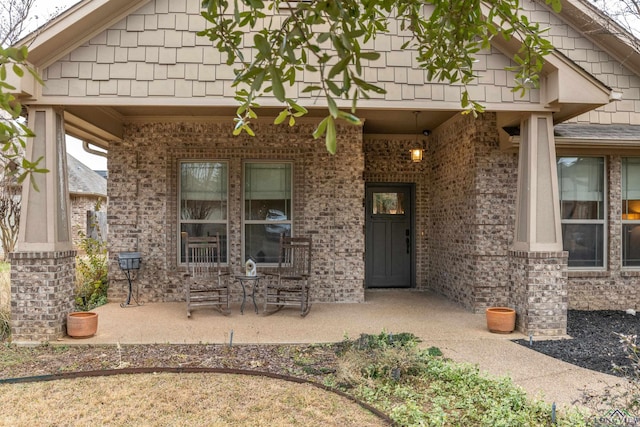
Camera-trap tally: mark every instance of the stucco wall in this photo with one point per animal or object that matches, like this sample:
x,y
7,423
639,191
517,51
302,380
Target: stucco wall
x,y
328,199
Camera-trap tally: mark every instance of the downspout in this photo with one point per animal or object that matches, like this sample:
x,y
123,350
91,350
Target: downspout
x,y
85,146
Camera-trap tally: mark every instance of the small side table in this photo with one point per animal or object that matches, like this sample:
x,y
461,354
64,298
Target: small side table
x,y
245,281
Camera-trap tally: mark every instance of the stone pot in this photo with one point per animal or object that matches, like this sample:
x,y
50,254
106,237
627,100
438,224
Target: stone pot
x,y
82,324
501,320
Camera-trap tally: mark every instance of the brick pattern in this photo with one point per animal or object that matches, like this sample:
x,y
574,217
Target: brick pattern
x,y
539,292
328,199
79,207
41,294
471,212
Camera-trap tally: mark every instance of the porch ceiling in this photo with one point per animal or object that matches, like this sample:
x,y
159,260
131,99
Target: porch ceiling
x,y
79,119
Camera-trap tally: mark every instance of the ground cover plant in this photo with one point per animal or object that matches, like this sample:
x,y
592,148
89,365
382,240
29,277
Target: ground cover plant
x,y
421,387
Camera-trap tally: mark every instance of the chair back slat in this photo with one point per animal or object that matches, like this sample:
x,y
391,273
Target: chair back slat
x,y
203,256
295,258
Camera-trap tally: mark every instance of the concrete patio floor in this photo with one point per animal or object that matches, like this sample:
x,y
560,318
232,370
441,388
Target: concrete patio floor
x,y
461,335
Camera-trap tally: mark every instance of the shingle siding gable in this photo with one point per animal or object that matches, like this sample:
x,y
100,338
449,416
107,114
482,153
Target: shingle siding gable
x,y
163,34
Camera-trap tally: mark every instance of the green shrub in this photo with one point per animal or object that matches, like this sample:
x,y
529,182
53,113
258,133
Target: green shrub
x,y
91,272
420,387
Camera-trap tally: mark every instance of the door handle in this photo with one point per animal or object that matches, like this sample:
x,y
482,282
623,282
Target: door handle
x,y
407,233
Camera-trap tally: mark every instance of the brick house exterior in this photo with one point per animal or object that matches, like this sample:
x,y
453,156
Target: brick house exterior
x,y
486,221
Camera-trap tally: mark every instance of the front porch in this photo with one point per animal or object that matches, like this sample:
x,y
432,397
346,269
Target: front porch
x,y
429,316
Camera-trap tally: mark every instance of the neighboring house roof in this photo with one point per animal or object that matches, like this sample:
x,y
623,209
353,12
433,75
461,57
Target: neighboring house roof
x,y
84,181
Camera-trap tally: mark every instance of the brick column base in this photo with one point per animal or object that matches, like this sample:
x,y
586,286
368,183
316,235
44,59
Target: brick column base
x,y
42,293
539,291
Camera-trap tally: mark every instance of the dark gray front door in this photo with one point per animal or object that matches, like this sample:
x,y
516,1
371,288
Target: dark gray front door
x,y
389,236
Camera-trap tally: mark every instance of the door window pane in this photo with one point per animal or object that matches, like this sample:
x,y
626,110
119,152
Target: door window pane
x,y
267,209
582,209
388,204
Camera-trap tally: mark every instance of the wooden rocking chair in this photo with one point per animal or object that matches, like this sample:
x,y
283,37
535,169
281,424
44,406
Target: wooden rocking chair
x,y
291,286
207,285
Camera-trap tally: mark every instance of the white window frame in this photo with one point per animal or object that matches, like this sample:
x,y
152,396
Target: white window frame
x,y
626,221
246,222
225,222
603,221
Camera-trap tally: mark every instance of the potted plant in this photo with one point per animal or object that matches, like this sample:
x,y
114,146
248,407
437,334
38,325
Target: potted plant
x,y
91,286
501,320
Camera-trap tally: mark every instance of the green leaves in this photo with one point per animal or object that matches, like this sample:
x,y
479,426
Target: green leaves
x,y
326,39
13,131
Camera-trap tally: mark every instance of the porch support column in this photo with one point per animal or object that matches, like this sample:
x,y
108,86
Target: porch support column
x,y
538,263
43,265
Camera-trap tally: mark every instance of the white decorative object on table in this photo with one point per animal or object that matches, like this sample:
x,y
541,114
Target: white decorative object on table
x,y
250,268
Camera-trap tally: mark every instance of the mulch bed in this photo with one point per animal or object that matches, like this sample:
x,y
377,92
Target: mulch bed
x,y
311,362
595,343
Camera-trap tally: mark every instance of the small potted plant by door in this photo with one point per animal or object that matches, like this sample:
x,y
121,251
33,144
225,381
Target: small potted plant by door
x,y
501,320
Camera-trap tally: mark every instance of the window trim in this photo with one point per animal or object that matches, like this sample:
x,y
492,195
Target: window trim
x,y
605,215
179,208
623,221
245,222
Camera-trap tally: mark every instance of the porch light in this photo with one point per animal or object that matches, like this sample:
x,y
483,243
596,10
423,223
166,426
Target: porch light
x,y
416,155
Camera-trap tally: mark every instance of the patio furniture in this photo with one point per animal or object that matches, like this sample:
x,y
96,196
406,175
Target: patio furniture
x,y
245,281
207,285
291,286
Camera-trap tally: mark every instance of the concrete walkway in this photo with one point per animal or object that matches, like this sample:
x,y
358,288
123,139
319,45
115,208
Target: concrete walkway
x,y
461,335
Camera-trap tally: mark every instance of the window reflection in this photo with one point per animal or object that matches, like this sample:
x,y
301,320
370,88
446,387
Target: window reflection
x,y
388,203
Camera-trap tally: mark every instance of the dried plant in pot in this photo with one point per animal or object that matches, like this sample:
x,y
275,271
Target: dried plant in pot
x,y
501,320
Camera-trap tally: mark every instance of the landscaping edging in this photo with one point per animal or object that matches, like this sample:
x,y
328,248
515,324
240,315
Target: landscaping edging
x,y
193,370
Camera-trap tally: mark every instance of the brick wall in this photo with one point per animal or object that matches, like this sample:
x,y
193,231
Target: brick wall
x,y
41,294
79,207
538,292
328,199
471,212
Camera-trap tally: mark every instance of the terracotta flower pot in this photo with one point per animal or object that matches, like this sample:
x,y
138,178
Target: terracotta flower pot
x,y
501,320
82,324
